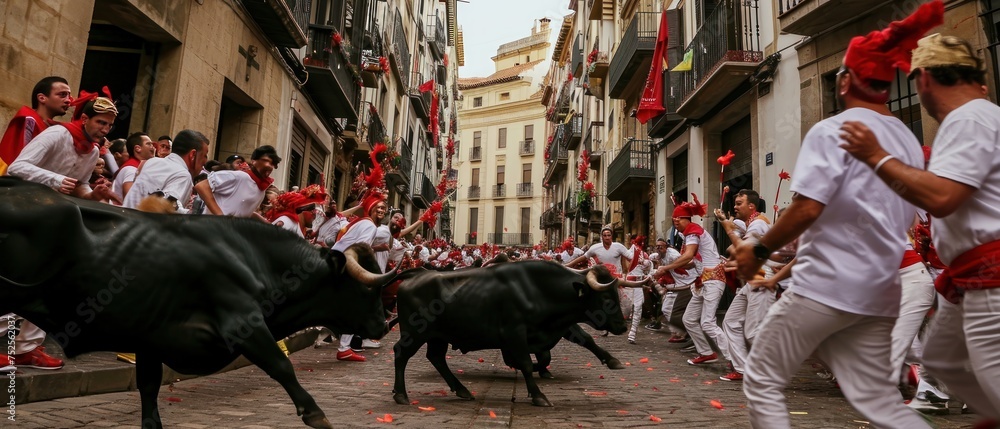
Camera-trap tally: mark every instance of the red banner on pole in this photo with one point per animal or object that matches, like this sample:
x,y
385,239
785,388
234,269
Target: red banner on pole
x,y
651,104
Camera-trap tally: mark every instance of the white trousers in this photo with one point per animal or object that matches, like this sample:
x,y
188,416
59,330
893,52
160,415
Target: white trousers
x,y
28,339
742,322
345,342
700,320
855,347
918,297
637,299
963,350
672,299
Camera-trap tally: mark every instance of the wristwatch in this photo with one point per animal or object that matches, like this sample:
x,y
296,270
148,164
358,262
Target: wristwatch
x,y
761,252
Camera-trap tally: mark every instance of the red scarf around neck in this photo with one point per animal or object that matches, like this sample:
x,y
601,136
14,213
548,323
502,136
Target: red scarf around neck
x,y
262,182
81,142
132,162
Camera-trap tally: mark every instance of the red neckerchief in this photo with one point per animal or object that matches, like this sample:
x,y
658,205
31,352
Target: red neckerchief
x,y
753,217
132,162
81,142
262,182
12,142
694,229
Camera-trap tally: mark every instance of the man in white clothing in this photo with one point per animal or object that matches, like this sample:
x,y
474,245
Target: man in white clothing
x,y
140,148
239,192
674,289
640,268
961,190
171,177
845,292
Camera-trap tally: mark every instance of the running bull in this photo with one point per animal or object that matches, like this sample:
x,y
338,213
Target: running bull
x,y
191,292
520,308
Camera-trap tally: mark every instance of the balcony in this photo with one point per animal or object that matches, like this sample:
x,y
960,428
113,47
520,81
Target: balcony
x,y
279,23
632,57
510,238
400,52
524,190
375,132
470,238
399,178
421,101
597,64
474,192
726,51
812,17
600,9
476,153
331,75
557,157
424,194
631,172
561,108
577,57
570,204
552,218
371,55
500,191
526,148
437,38
661,125
574,131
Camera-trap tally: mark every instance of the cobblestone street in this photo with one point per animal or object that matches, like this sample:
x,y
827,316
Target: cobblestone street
x,y
656,389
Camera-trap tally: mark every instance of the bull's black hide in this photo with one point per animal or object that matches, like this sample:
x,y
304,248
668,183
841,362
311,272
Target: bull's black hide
x,y
519,308
192,292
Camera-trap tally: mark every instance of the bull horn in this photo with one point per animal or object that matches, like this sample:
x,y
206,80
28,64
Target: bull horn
x,y
598,286
580,272
359,273
627,283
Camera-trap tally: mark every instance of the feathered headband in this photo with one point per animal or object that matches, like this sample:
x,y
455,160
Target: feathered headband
x,y
880,53
687,209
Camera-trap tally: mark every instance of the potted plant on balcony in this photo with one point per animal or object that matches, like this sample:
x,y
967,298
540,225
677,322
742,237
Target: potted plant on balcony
x,y
585,200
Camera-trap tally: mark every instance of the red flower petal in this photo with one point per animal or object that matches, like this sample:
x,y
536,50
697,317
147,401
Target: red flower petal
x,y
493,415
426,408
716,404
655,419
643,360
173,399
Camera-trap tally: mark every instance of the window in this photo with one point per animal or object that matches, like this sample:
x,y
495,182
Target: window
x,y
477,139
475,177
903,103
830,104
525,224
502,138
529,132
473,220
500,169
525,173
498,225
504,96
477,102
527,58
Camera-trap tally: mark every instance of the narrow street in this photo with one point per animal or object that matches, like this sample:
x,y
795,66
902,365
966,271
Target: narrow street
x,y
657,382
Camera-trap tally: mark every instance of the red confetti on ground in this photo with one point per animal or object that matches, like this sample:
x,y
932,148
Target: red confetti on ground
x,y
385,384
414,402
447,356
716,404
636,384
708,382
628,363
173,399
655,419
596,393
441,392
369,412
565,358
426,408
601,377
481,360
384,419
655,389
675,380
493,415
460,371
622,412
589,364
649,369
644,360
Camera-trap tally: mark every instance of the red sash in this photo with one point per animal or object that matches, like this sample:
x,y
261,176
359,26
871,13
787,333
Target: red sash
x,y
975,269
910,257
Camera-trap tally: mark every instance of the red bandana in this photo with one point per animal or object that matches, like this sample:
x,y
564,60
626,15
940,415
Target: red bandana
x,y
132,162
81,142
262,182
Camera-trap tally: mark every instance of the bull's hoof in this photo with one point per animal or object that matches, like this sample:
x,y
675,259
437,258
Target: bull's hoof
x,y
614,364
401,398
464,394
316,420
540,401
545,374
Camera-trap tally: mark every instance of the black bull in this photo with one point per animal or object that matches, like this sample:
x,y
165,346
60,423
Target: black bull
x,y
519,308
191,292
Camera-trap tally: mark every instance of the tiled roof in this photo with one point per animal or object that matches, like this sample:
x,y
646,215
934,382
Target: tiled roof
x,y
505,75
537,94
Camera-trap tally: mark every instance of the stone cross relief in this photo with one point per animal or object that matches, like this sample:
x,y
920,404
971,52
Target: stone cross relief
x,y
250,54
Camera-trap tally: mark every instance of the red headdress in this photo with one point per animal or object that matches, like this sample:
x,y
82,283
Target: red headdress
x,y
85,97
374,182
430,216
880,53
691,209
288,203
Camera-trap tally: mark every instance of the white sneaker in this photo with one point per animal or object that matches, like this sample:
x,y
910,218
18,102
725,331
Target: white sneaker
x,y
925,405
370,344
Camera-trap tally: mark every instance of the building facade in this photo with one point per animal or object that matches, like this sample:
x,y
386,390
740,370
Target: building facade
x,y
500,158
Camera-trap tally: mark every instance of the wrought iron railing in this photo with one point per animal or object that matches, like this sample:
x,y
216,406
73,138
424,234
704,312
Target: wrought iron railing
x,y
510,238
634,160
500,191
474,192
526,147
558,152
476,153
400,50
730,33
787,5
322,53
640,35
524,190
406,163
300,12
437,38
376,129
427,190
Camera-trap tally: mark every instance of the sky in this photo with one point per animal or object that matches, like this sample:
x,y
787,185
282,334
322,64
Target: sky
x,y
487,24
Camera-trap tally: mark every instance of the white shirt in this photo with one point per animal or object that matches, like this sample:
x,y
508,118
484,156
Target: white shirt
x,y
397,251
168,175
236,192
757,229
51,157
849,258
424,255
642,269
125,174
707,249
288,224
967,150
363,231
329,227
612,255
382,236
567,257
682,276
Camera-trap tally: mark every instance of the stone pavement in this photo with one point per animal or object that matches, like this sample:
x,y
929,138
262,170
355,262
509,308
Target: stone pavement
x,y
657,389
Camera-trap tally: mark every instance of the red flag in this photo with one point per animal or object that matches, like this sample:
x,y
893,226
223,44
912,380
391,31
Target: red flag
x,y
434,119
426,86
651,104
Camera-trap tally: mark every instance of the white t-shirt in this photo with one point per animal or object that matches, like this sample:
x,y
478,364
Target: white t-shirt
x,y
397,251
612,255
125,174
51,157
168,175
567,257
682,276
363,231
849,258
967,150
707,249
382,236
288,224
643,268
235,192
329,227
757,229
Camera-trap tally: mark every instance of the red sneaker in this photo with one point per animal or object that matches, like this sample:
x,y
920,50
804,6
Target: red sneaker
x,y
676,339
37,359
349,355
703,359
732,376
